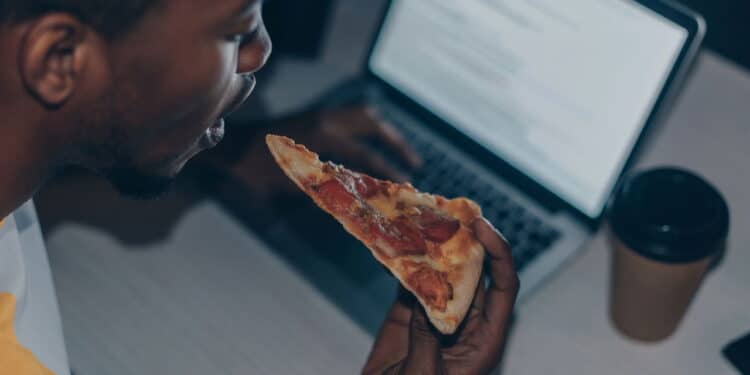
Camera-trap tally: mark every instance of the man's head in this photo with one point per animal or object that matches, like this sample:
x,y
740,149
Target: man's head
x,y
132,89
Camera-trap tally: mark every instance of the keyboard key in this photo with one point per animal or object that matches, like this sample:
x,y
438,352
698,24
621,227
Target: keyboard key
x,y
527,258
546,237
534,222
535,237
533,248
501,217
513,239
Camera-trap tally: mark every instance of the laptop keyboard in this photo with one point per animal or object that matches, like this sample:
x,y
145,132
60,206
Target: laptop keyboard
x,y
528,235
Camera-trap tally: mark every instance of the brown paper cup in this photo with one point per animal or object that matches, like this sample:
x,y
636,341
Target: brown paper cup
x,y
649,298
666,228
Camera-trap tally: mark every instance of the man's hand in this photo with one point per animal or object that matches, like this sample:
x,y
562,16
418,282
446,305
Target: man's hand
x,y
341,134
408,344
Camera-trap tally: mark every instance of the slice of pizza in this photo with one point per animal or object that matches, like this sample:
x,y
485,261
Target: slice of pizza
x,y
425,240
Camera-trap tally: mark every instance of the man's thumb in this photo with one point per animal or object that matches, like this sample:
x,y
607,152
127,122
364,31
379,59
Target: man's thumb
x,y
424,345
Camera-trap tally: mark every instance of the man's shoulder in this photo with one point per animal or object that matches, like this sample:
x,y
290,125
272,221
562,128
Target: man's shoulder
x,y
26,281
12,266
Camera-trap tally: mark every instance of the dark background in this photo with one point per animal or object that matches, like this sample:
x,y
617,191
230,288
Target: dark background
x,y
728,24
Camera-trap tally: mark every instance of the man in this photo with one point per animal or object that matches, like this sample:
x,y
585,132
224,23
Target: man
x,y
133,90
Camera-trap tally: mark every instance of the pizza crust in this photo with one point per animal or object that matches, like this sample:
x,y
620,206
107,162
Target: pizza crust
x,y
467,265
460,258
459,276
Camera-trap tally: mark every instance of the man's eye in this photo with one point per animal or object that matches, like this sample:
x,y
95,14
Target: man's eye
x,y
235,38
244,37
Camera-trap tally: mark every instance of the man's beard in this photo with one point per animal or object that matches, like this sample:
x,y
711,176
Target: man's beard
x,y
110,146
131,182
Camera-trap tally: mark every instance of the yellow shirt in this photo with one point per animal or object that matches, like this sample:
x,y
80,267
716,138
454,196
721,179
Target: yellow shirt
x,y
14,358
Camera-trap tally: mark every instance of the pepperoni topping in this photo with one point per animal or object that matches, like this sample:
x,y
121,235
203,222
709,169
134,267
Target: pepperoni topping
x,y
441,231
404,237
366,186
336,197
431,285
436,226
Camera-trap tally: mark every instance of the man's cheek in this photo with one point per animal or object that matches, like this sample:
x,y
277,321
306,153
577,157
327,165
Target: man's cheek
x,y
206,82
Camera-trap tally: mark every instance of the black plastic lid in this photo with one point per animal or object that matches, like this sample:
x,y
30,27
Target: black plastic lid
x,y
669,215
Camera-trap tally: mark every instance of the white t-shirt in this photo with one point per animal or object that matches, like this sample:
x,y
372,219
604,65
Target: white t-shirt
x,y
30,327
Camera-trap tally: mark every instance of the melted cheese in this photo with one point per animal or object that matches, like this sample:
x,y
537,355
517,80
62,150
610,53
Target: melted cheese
x,y
301,165
386,206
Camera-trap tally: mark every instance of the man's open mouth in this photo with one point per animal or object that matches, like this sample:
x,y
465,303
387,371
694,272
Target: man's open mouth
x,y
248,84
215,133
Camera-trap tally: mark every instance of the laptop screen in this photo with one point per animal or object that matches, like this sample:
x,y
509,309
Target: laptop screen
x,y
561,90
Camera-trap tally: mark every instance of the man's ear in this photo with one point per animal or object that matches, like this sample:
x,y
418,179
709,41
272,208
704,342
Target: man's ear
x,y
55,50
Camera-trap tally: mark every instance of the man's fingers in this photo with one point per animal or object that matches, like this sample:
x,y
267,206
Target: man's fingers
x,y
479,295
501,294
370,160
355,121
391,345
364,122
497,248
388,134
424,345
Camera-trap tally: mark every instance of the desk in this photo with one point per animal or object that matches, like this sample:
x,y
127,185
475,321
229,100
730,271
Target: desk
x,y
130,309
191,304
565,329
210,299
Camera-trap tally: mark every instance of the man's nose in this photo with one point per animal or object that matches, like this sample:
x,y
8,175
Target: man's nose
x,y
254,54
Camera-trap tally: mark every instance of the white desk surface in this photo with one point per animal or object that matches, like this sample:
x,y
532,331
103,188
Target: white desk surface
x,y
210,299
565,329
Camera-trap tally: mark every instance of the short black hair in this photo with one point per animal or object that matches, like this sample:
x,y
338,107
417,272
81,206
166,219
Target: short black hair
x,y
109,17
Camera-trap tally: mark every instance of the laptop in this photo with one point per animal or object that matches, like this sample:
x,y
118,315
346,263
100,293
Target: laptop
x,y
532,108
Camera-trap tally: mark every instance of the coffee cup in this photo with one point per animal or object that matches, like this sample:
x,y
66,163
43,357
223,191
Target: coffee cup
x,y
667,227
